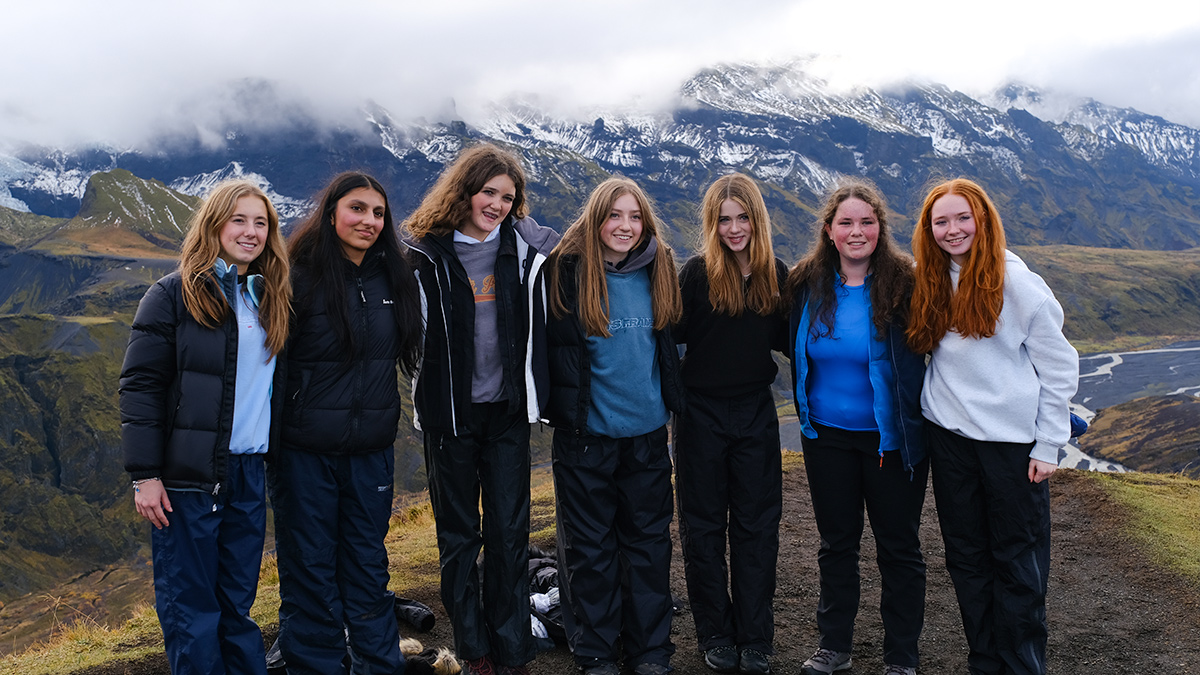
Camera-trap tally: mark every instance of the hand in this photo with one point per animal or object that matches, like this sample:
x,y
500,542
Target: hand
x,y
1040,471
152,503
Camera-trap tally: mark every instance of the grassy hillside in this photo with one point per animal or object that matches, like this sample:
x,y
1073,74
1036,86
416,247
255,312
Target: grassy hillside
x,y
1160,434
1113,294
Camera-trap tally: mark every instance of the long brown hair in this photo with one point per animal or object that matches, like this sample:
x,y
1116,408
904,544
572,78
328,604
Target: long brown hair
x,y
973,309
582,240
727,292
447,205
201,248
891,278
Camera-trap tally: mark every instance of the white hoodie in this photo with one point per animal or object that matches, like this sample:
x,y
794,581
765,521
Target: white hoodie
x,y
1012,387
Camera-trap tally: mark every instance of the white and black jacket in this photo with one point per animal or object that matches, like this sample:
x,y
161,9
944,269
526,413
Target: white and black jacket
x,y
442,387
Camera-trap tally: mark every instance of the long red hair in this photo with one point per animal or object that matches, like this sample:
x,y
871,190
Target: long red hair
x,y
974,308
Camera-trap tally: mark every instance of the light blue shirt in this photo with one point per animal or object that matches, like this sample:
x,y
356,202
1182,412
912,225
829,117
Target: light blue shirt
x,y
251,432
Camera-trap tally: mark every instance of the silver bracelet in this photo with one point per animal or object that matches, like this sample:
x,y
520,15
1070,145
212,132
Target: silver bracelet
x,y
137,483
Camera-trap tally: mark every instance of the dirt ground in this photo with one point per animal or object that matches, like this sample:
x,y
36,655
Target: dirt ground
x,y
1110,610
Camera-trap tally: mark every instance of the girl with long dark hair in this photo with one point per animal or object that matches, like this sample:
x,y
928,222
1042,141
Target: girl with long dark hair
x,y
857,392
357,320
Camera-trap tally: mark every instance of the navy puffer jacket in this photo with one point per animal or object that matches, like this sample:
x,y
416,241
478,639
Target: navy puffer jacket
x,y
338,403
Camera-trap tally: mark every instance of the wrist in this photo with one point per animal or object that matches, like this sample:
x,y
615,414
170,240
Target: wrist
x,y
137,483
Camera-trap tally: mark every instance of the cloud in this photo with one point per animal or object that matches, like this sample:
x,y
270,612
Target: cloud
x,y
127,70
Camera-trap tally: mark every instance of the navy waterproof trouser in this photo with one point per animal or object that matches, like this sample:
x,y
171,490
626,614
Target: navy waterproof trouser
x,y
845,472
491,460
206,564
331,517
614,540
728,474
996,526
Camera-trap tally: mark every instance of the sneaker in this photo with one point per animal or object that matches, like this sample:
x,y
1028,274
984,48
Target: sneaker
x,y
480,666
723,659
754,662
512,670
652,669
893,669
826,661
600,669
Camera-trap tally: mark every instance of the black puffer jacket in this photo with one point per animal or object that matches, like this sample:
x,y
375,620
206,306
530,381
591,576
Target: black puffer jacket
x,y
570,363
177,388
339,404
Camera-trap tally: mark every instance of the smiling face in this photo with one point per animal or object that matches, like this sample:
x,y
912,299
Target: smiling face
x,y
244,235
854,232
358,220
952,224
734,228
622,231
490,206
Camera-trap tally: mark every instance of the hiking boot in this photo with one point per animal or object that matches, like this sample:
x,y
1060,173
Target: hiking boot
x,y
600,669
826,661
754,662
480,666
723,659
893,669
652,669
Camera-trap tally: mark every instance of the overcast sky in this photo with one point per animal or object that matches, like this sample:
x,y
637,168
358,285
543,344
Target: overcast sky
x,y
123,70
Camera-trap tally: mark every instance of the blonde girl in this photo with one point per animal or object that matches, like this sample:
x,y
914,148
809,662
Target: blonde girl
x,y
614,381
200,401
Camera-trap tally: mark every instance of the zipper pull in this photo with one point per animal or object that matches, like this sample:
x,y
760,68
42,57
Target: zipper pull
x,y
361,294
216,489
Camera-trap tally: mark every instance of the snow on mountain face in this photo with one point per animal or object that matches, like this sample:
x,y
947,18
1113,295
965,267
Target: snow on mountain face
x,y
200,185
778,123
1165,144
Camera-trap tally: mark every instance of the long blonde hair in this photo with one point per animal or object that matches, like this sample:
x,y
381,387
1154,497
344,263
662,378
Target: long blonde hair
x,y
974,309
726,291
582,240
201,248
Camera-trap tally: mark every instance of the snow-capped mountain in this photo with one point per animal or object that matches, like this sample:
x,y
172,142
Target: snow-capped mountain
x,y
1064,171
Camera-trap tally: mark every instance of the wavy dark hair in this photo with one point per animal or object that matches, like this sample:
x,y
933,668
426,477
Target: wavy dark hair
x,y
316,251
447,205
891,280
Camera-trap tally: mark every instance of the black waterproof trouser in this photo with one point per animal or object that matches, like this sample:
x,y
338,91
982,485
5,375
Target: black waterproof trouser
x,y
331,517
728,477
846,472
614,540
996,526
491,460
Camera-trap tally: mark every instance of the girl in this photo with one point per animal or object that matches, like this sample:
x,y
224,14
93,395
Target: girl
x,y
357,317
613,382
857,389
995,397
197,419
477,254
727,462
